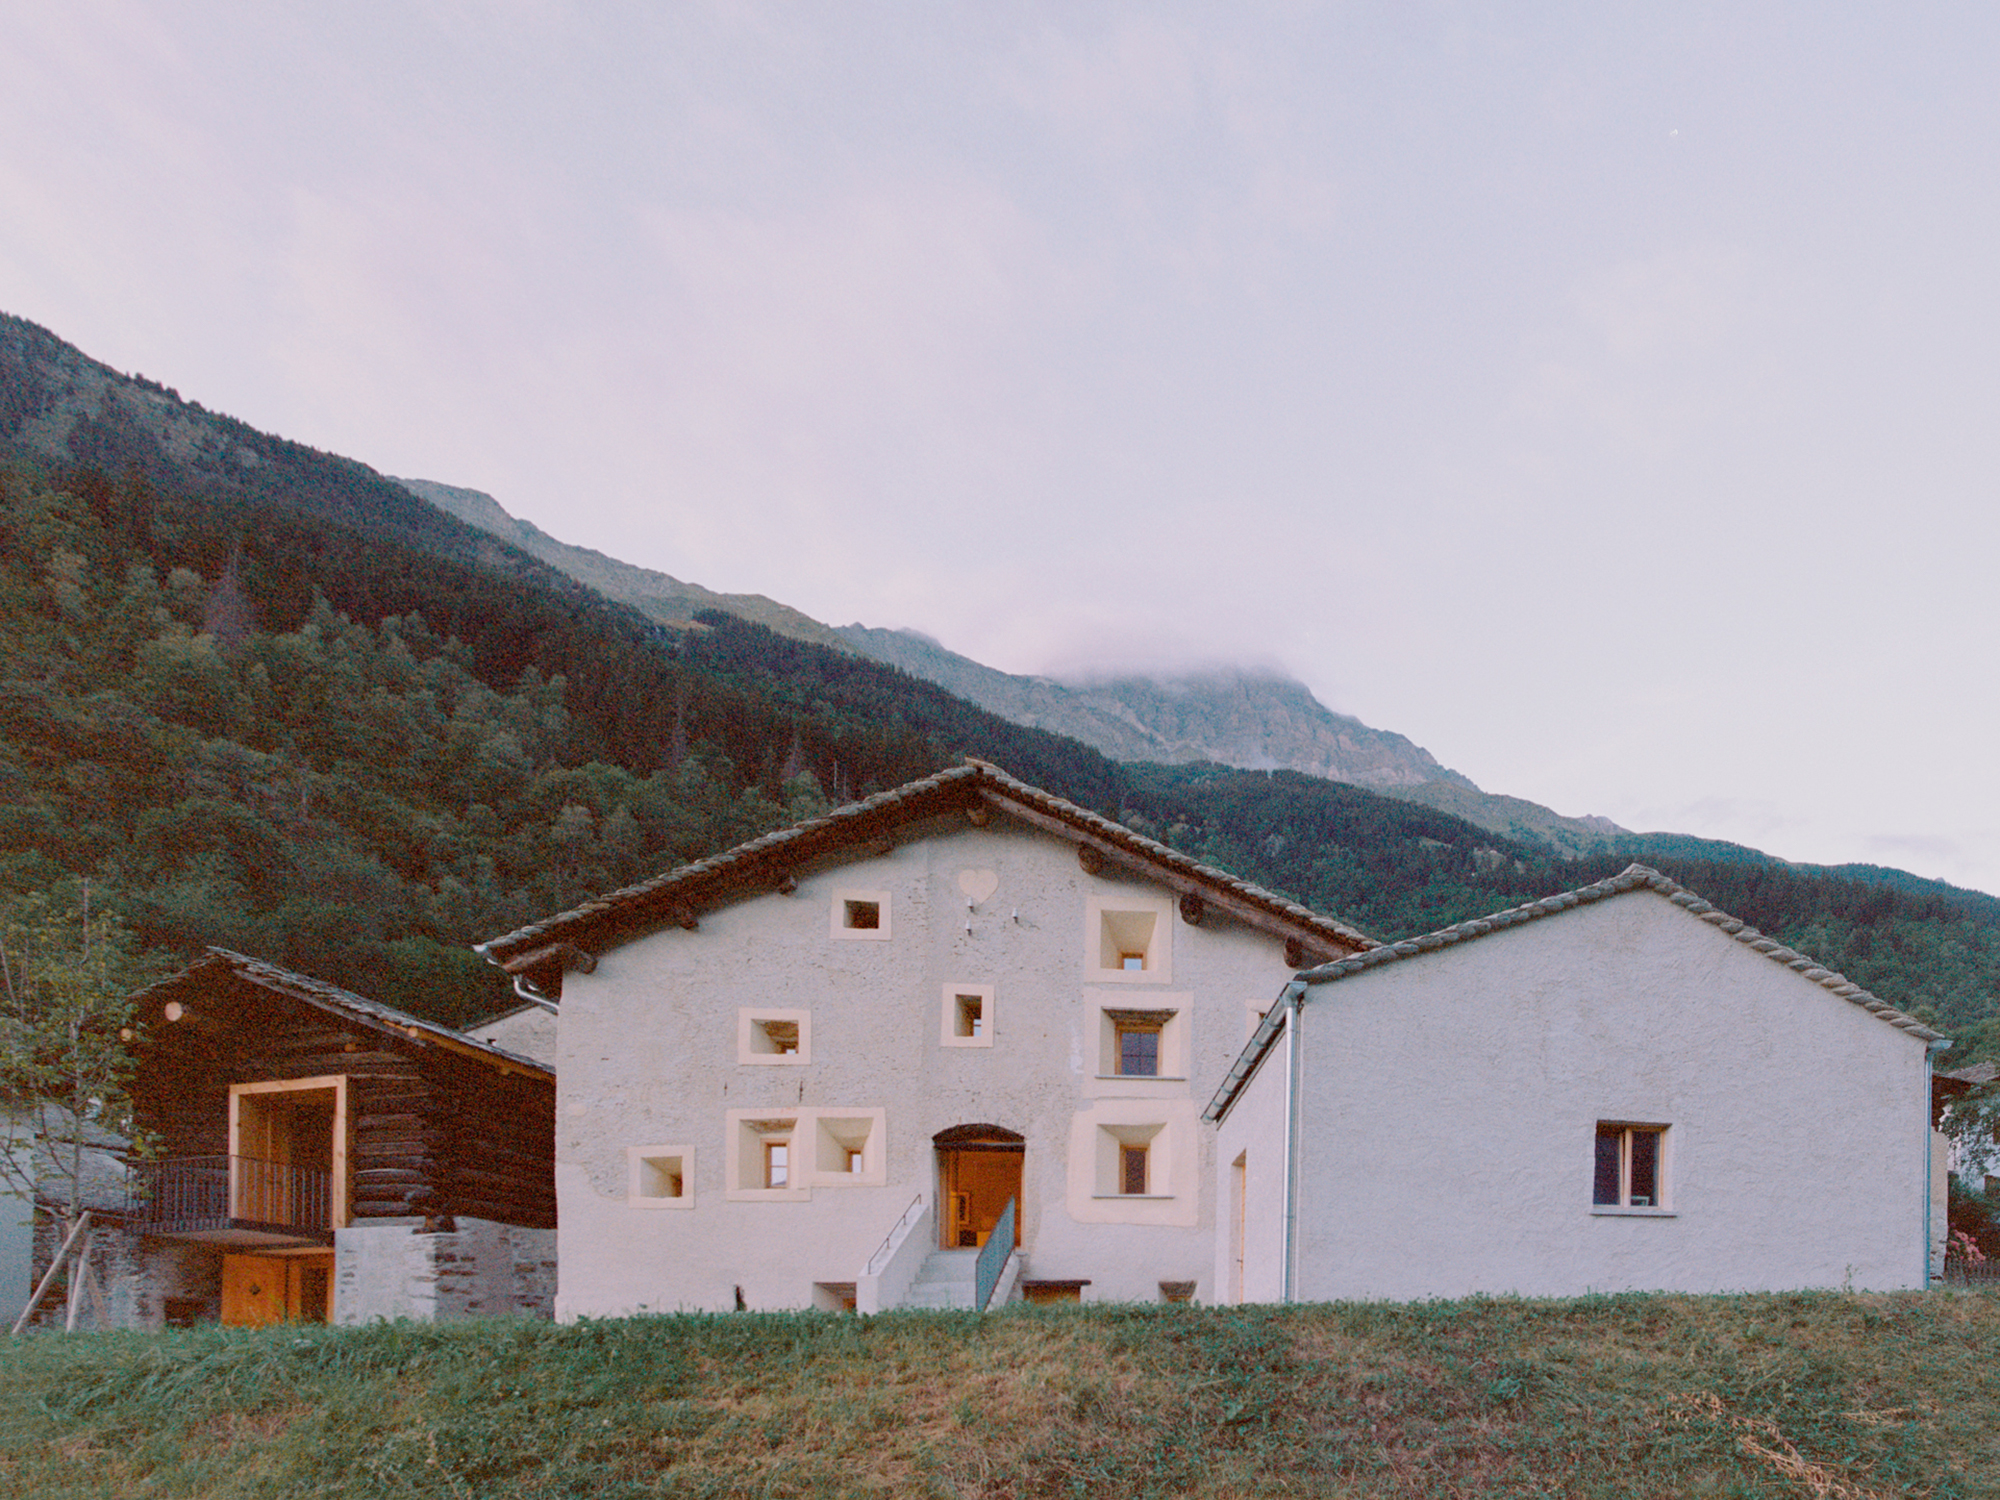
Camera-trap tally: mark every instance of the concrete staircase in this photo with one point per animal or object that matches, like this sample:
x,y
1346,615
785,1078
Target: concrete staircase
x,y
946,1280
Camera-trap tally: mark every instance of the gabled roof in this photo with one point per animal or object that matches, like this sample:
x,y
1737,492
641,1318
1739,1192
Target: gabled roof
x,y
220,963
1631,878
538,952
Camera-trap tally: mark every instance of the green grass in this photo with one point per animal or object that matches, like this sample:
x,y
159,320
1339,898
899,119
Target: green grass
x,y
1811,1395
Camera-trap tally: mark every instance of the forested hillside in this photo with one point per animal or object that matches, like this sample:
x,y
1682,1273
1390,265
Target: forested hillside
x,y
254,725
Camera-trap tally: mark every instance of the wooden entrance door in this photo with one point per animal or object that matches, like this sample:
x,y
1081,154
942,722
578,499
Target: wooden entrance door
x,y
979,1170
261,1289
253,1290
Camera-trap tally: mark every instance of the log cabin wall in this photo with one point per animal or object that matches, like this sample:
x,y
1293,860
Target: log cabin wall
x,y
432,1131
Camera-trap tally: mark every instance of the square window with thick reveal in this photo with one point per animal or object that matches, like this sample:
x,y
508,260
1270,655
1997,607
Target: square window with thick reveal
x,y
773,1037
764,1156
1128,940
659,1176
968,1016
1140,1044
1129,1161
861,915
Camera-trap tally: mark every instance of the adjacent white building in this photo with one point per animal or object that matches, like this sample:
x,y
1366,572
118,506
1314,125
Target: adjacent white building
x,y
1619,1088
817,1069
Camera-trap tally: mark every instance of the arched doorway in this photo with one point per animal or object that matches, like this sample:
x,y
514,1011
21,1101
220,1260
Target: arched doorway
x,y
979,1170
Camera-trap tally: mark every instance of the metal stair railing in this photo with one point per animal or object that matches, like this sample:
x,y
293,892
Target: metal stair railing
x,y
894,1238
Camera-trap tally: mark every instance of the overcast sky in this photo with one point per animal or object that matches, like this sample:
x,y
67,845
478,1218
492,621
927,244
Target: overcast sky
x,y
1603,395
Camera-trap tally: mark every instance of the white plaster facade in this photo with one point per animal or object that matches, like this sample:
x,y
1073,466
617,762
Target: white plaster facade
x,y
987,984
1445,1100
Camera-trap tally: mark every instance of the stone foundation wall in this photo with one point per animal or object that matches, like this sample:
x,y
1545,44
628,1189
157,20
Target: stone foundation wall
x,y
139,1277
477,1269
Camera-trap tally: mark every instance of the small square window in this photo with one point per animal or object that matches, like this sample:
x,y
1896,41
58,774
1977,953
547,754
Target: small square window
x,y
1138,1050
1128,939
970,1015
967,1019
861,914
1139,1044
768,1157
846,1149
659,1177
1132,1160
773,1037
1628,1170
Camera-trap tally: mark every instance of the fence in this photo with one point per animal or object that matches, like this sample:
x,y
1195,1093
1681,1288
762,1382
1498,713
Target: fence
x,y
190,1194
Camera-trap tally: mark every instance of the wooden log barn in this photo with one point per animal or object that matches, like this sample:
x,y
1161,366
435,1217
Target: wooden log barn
x,y
312,1155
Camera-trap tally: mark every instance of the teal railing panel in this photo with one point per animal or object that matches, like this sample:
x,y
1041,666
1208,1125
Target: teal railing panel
x,y
993,1258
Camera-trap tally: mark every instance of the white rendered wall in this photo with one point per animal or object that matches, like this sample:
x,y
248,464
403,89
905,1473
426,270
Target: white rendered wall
x,y
1253,1230
1449,1104
529,1032
650,1052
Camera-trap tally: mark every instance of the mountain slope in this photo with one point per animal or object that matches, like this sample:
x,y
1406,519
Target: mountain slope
x,y
658,596
1250,720
301,718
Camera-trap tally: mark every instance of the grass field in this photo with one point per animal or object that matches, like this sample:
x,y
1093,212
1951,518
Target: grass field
x,y
1819,1394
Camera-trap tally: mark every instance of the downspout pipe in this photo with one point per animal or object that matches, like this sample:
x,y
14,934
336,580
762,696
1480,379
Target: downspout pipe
x,y
1292,999
1930,1135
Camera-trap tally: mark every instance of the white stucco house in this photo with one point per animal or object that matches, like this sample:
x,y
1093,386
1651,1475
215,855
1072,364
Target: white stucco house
x,y
832,1066
1618,1088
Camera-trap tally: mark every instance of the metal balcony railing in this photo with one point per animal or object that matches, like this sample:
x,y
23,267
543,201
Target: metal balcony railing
x,y
193,1194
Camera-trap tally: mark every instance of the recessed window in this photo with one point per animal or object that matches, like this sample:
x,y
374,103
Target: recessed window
x,y
846,1148
764,1156
1129,1160
1630,1166
1127,940
659,1177
790,1155
968,1016
1132,1168
861,914
1140,1044
773,1037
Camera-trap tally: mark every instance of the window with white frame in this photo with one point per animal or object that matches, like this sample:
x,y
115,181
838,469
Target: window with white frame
x,y
1630,1169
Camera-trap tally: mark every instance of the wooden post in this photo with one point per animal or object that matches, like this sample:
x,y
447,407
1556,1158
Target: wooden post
x,y
49,1276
